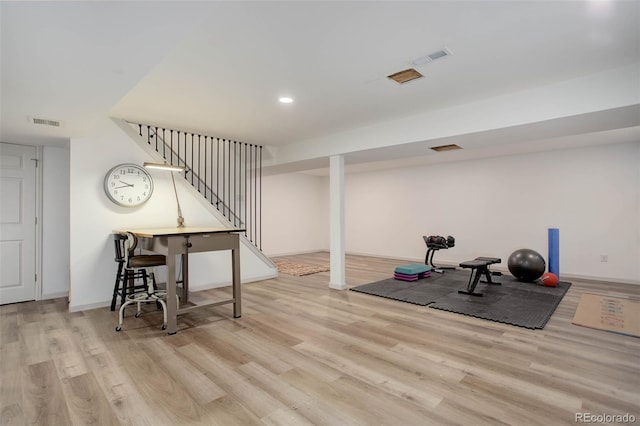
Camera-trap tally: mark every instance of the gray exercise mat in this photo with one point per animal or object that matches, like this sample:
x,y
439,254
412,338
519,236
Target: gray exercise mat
x,y
528,305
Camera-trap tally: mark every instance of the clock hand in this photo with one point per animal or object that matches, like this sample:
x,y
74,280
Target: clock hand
x,y
123,186
126,184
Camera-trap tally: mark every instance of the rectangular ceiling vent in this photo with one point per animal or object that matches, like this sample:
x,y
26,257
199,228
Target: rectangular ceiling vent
x,y
442,148
423,60
45,122
405,76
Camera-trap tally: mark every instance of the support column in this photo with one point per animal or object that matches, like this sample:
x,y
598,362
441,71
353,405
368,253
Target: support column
x,y
336,223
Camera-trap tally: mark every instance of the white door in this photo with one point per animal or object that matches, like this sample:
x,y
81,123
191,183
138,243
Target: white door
x,y
17,223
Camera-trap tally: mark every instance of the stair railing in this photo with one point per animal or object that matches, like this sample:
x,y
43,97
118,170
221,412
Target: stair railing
x,y
227,173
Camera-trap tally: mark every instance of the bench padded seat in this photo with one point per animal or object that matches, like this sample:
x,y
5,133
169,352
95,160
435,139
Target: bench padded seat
x,y
479,262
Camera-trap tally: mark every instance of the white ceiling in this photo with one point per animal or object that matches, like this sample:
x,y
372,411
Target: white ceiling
x,y
219,67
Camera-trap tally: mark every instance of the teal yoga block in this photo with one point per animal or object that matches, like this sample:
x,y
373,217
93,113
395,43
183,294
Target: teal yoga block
x,y
412,269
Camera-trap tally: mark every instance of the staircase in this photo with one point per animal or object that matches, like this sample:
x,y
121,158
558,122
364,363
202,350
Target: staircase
x,y
227,173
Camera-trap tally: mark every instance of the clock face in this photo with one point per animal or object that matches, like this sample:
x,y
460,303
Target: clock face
x,y
128,185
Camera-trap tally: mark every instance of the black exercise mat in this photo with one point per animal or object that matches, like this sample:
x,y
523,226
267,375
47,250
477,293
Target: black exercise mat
x,y
528,305
420,292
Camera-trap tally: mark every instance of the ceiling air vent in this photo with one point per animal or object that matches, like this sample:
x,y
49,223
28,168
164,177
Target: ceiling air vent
x,y
422,60
405,76
442,148
45,122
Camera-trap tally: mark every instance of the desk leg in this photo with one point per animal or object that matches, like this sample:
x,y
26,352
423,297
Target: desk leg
x,y
172,306
185,278
235,264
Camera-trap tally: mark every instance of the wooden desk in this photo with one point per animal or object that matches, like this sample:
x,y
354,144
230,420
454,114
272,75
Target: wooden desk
x,y
182,241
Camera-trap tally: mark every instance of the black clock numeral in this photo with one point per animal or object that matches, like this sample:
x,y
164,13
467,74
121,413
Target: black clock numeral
x,y
116,176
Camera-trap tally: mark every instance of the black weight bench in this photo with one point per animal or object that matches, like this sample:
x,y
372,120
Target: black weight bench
x,y
479,267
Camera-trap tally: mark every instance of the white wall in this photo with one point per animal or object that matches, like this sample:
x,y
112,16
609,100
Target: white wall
x,y
55,222
93,217
294,214
492,207
498,205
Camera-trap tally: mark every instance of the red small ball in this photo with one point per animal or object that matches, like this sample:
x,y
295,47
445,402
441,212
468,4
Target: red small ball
x,y
549,279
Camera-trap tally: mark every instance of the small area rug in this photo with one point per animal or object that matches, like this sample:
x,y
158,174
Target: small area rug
x,y
608,313
298,269
528,305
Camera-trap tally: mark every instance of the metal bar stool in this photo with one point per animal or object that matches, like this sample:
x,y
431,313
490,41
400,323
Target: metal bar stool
x,y
132,268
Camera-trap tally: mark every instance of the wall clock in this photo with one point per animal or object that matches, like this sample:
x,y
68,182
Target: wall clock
x,y
128,185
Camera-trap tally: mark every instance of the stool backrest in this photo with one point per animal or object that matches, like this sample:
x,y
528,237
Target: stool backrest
x,y
119,242
125,246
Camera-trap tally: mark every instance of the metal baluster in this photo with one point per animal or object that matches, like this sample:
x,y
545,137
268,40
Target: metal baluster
x,y
171,149
211,174
178,157
205,164
246,198
156,136
235,178
241,195
193,164
251,192
229,180
224,156
164,145
260,216
218,173
255,195
237,175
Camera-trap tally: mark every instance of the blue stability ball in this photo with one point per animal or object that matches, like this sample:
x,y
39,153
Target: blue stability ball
x,y
526,265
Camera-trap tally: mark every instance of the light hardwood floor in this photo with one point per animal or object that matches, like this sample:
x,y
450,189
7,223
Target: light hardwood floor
x,y
304,354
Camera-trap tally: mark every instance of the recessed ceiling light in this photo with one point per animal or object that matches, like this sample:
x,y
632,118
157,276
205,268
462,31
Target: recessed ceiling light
x,y
285,100
441,148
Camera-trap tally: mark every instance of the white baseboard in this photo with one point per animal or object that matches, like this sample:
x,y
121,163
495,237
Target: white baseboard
x,y
106,303
245,280
296,253
56,295
89,306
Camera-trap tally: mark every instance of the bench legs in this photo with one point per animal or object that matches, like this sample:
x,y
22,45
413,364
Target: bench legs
x,y
476,273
